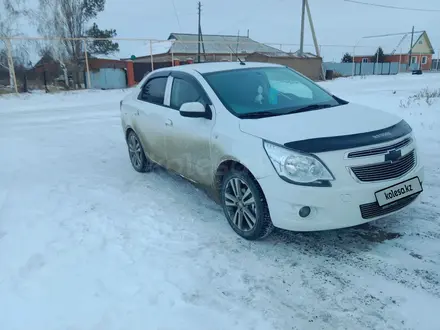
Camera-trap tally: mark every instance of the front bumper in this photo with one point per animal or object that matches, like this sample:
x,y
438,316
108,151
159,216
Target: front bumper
x,y
331,207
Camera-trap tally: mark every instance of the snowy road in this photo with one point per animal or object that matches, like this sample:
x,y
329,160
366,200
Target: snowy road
x,y
88,243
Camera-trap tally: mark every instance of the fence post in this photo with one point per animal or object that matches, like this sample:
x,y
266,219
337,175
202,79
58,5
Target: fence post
x,y
45,79
354,65
172,56
400,60
151,55
438,58
89,80
377,59
25,88
12,77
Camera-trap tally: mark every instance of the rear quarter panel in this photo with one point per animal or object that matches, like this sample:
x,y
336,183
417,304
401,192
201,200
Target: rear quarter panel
x,y
129,110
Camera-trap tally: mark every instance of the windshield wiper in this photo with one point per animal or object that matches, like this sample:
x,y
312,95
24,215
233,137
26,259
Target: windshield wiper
x,y
311,107
261,114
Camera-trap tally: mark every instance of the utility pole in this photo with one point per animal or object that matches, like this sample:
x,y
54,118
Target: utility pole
x,y
303,12
411,47
203,44
238,41
312,28
200,31
315,40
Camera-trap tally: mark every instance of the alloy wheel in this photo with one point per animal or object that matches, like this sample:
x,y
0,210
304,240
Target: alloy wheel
x,y
240,204
135,151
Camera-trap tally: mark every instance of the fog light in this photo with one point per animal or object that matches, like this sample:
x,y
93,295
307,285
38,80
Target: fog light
x,y
304,212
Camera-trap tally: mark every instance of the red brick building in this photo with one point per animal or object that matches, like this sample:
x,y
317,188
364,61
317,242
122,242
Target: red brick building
x,y
398,48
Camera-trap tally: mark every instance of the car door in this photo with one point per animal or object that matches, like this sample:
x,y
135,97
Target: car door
x,y
188,142
151,117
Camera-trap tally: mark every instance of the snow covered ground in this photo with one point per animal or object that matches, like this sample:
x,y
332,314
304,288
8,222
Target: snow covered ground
x,y
88,243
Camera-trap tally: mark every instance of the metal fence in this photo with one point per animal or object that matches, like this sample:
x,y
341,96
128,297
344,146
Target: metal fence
x,y
435,65
27,68
363,69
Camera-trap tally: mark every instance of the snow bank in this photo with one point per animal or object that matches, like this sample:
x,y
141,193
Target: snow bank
x,y
38,100
88,243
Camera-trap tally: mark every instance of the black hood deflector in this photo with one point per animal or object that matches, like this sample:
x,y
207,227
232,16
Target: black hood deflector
x,y
333,143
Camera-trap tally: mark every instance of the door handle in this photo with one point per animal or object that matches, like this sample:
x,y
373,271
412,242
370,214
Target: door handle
x,y
169,122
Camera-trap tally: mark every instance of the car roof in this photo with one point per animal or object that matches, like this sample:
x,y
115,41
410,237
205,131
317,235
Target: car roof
x,y
217,67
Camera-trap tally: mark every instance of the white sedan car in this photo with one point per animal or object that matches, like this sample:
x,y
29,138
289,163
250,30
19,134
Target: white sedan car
x,y
275,148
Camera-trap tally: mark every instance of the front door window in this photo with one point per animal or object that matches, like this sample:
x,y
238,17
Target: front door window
x,y
183,92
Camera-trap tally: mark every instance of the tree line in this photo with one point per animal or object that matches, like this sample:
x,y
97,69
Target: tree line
x,y
63,23
379,57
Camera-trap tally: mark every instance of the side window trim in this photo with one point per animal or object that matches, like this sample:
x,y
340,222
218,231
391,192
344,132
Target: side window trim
x,y
168,89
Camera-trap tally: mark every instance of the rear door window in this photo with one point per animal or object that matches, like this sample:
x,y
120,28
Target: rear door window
x,y
154,91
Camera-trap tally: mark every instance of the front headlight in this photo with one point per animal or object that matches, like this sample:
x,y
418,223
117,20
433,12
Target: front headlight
x,y
299,168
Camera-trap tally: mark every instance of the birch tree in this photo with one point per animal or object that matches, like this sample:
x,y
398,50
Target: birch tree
x,y
69,21
11,54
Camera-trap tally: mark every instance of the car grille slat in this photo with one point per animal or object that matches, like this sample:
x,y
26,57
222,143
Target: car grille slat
x,y
386,170
373,210
379,151
385,166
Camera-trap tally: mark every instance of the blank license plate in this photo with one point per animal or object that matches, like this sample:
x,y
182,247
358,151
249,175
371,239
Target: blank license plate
x,y
398,191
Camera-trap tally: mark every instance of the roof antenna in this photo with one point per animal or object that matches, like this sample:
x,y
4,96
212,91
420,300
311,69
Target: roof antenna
x,y
236,54
236,49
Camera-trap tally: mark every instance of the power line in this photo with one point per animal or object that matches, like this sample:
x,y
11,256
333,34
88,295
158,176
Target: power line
x,y
391,34
177,15
245,18
392,7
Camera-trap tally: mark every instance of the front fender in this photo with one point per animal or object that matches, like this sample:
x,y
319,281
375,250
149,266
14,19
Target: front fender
x,y
248,151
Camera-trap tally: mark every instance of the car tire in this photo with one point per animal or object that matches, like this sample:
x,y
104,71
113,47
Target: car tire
x,y
139,161
245,206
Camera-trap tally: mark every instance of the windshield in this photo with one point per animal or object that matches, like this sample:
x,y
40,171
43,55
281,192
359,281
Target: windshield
x,y
267,91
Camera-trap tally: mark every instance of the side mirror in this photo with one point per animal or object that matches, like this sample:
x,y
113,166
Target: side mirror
x,y
193,110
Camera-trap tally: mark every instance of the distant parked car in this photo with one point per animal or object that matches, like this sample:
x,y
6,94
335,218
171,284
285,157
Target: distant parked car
x,y
276,148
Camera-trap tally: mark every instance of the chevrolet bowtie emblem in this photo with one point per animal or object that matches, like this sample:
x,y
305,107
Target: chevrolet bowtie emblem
x,y
393,155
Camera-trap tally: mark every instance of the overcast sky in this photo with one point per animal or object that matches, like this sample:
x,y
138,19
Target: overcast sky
x,y
271,21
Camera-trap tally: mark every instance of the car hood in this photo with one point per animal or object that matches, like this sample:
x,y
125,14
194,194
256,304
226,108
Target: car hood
x,y
345,123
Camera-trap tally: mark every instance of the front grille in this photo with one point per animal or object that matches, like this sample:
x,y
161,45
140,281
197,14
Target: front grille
x,y
373,210
379,151
385,170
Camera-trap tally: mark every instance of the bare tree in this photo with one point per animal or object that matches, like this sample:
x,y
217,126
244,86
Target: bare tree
x,y
68,21
12,55
55,50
